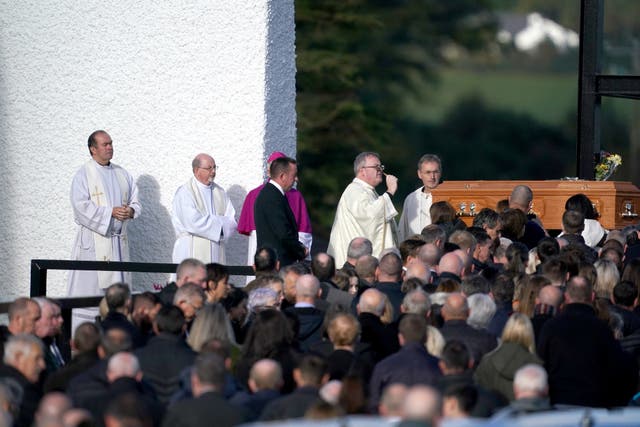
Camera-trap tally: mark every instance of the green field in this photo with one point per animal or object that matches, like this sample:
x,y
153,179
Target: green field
x,y
550,98
545,96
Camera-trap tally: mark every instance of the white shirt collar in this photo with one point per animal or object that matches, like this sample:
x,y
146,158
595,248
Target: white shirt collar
x,y
277,186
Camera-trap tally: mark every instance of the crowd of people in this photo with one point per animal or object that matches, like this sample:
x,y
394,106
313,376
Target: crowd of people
x,y
427,321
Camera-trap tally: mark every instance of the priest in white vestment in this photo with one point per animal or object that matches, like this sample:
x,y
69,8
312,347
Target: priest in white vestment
x,y
203,216
362,212
415,212
104,198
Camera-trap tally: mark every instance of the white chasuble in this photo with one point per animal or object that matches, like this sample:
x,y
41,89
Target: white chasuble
x,y
203,219
362,212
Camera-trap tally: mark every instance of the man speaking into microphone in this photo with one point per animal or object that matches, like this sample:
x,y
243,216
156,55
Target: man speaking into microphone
x,y
362,212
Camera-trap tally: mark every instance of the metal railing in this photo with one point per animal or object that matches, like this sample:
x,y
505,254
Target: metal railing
x,y
40,268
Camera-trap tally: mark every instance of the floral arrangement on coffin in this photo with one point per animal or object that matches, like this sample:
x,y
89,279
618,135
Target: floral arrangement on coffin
x,y
608,164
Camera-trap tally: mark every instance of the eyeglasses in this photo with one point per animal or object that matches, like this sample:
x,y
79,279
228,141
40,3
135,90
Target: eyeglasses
x,y
210,168
376,167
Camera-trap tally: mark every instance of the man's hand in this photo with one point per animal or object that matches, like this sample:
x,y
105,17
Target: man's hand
x,y
122,213
392,184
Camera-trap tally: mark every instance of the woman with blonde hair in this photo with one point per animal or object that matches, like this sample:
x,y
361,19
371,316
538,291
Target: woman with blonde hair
x,y
388,313
498,368
211,322
607,278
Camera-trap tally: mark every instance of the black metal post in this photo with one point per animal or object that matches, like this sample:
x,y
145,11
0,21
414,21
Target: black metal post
x,y
588,98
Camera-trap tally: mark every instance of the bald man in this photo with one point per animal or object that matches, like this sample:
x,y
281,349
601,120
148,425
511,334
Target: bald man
x,y
451,266
310,318
51,409
203,216
382,338
265,382
522,198
392,401
455,313
423,404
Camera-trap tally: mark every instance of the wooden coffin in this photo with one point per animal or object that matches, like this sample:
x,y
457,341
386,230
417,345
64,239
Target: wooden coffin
x,y
617,202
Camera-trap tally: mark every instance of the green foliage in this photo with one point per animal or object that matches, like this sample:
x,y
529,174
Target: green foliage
x,y
356,60
480,142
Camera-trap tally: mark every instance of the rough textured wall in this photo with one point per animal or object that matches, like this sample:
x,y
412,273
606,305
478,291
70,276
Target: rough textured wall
x,y
166,80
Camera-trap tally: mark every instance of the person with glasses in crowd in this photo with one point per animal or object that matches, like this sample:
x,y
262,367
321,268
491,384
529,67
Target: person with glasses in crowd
x,y
203,216
362,212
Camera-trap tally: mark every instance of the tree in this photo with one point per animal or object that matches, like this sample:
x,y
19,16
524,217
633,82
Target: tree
x,y
356,59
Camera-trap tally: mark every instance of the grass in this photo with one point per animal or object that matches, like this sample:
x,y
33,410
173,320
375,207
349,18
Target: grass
x,y
547,97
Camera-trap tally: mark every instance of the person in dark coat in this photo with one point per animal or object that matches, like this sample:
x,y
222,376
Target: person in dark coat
x,y
265,381
118,298
88,389
456,366
547,305
625,295
86,340
502,290
190,270
310,319
347,357
323,267
411,365
573,226
166,354
310,375
522,198
455,313
208,407
389,281
23,363
382,338
269,337
586,365
359,246
125,377
275,223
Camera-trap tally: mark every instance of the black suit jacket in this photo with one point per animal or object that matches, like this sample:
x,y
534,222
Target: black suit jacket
x,y
209,409
276,226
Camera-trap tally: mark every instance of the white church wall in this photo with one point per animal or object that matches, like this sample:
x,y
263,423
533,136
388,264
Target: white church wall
x,y
167,80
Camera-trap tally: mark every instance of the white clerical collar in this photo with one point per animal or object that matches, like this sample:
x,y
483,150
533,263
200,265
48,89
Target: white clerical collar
x,y
424,194
277,186
203,186
102,166
361,182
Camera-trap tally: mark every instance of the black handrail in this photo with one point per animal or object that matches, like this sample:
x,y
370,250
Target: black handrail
x,y
40,267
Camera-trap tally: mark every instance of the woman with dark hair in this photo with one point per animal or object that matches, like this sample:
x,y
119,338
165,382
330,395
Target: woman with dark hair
x,y
217,282
444,215
593,233
269,337
236,305
513,222
529,292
